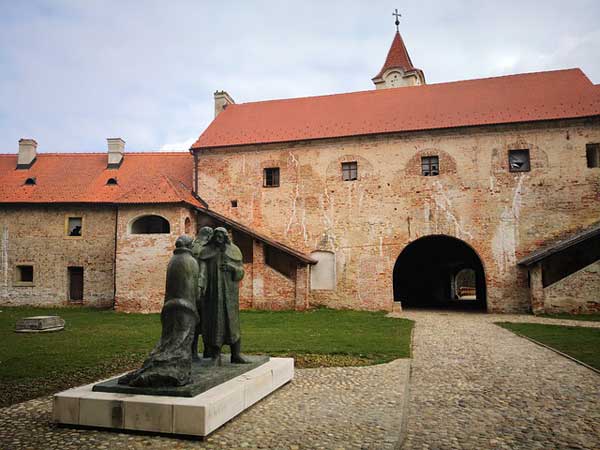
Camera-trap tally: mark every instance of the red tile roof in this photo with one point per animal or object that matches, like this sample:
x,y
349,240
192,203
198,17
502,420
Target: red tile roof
x,y
507,99
397,57
81,178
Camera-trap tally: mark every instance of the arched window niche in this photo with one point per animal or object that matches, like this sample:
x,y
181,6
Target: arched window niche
x,y
322,274
150,224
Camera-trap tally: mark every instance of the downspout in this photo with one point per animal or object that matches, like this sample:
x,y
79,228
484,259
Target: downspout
x,y
115,257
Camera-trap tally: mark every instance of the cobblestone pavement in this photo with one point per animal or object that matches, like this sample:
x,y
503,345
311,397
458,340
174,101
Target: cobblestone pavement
x,y
475,385
333,408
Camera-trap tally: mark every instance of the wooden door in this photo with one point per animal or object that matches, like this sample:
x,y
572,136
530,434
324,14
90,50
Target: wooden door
x,y
75,284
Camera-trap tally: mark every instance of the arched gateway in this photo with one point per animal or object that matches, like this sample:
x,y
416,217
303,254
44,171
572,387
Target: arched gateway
x,y
439,271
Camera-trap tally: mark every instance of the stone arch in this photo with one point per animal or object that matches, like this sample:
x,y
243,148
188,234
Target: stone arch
x,y
424,273
149,224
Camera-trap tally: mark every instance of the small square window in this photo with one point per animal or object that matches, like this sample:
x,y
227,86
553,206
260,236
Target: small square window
x,y
25,274
74,226
234,203
430,166
592,153
349,171
518,160
271,177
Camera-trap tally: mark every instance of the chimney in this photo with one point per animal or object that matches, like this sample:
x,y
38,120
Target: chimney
x,y
222,100
27,153
116,152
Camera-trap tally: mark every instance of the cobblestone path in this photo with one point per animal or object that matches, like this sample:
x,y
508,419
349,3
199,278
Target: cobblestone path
x,y
475,385
333,408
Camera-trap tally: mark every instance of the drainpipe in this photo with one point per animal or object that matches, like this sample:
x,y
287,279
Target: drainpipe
x,y
115,257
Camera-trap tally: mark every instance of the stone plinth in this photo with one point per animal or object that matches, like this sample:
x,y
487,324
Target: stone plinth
x,y
194,416
40,324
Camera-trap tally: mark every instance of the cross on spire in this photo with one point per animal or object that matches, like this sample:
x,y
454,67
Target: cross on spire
x,y
397,14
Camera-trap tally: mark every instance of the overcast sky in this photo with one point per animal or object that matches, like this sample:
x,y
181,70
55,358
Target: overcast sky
x,y
74,72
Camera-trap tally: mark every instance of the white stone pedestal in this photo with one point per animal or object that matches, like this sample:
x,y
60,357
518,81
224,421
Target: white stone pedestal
x,y
195,416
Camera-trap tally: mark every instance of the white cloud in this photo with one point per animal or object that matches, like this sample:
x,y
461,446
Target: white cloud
x,y
181,146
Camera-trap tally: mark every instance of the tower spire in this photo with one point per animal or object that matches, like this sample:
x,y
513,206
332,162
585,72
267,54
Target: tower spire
x,y
398,69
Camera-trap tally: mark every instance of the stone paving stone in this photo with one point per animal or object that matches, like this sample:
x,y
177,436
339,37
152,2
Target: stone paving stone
x,y
475,385
330,408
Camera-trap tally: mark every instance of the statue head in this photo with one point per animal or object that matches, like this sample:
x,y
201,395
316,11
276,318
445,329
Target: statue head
x,y
220,236
184,241
205,235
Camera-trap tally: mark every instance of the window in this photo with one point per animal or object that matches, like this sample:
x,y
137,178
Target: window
x,y
150,225
111,181
234,203
74,226
30,182
271,177
349,171
430,166
518,160
75,284
187,225
592,153
25,274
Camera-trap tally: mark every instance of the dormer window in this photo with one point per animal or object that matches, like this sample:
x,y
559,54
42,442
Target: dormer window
x,y
30,182
111,182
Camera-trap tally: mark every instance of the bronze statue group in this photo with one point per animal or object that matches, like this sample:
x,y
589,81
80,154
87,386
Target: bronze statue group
x,y
201,298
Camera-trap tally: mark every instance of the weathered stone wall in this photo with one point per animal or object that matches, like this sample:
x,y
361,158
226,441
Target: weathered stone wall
x,y
36,235
579,293
367,223
142,259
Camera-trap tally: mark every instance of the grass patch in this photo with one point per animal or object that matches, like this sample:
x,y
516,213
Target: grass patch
x,y
98,344
581,343
588,317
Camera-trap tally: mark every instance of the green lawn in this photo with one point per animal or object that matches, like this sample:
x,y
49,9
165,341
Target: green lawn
x,y
97,344
589,317
579,342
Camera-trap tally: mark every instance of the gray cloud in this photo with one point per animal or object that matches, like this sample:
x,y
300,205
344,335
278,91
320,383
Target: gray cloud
x,y
73,73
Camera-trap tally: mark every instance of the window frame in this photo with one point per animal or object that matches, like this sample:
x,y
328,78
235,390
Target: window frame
x,y
514,152
348,167
275,180
72,216
427,163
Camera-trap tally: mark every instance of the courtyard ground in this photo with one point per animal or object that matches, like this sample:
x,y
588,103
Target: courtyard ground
x,y
96,344
474,385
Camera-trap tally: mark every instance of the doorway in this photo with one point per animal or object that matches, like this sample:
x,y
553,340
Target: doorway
x,y
440,272
75,284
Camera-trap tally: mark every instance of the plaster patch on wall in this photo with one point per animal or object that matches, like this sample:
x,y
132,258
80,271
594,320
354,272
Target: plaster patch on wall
x,y
257,286
506,237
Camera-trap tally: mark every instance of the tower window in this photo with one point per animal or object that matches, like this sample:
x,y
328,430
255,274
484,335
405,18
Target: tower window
x,y
430,166
234,203
349,171
592,153
518,160
271,177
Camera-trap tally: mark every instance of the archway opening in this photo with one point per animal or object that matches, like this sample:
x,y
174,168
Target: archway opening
x,y
440,272
150,225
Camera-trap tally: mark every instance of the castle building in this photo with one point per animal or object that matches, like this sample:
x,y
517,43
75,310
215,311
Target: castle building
x,y
482,193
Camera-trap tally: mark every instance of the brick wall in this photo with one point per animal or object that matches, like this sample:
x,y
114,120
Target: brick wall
x,y
368,222
142,259
36,235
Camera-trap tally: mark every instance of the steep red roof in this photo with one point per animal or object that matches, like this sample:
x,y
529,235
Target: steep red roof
x,y
81,178
507,99
397,57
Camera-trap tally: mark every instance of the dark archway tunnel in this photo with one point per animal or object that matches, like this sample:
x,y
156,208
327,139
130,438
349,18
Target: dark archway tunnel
x,y
425,275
